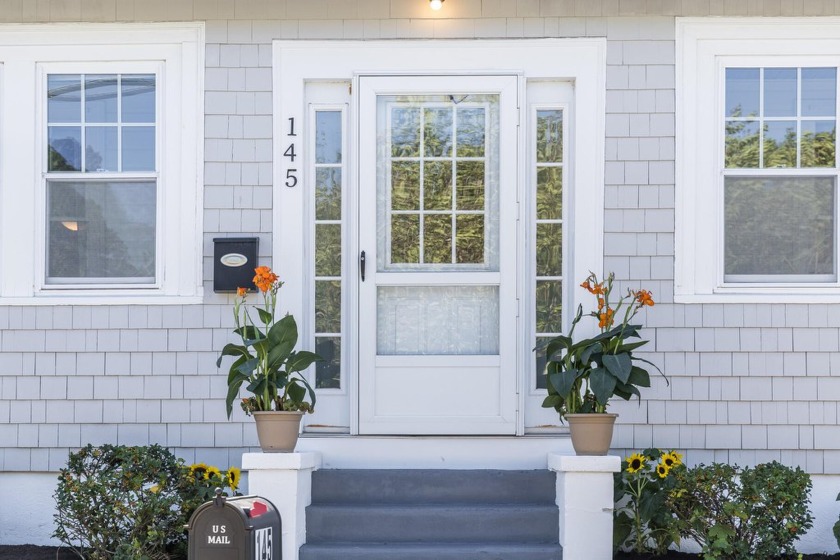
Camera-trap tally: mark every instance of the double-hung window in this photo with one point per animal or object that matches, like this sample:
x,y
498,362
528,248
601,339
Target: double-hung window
x,y
756,216
103,201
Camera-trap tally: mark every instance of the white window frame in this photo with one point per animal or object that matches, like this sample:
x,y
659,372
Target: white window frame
x,y
705,48
175,54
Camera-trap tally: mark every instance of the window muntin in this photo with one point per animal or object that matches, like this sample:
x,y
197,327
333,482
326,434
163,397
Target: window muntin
x,y
327,197
548,240
779,184
101,199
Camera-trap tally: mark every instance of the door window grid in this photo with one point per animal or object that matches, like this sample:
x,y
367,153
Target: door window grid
x,y
101,179
328,194
779,184
421,166
549,168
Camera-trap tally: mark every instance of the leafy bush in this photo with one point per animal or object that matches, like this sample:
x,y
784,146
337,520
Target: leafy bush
x,y
642,520
131,503
837,526
745,513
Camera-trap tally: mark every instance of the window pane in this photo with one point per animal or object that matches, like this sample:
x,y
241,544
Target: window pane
x,y
469,244
437,238
328,193
541,361
550,193
101,230
327,306
742,144
742,92
101,148
779,226
550,136
780,92
328,137
470,181
405,185
65,148
549,244
138,148
328,250
100,98
328,372
471,133
818,144
405,238
437,185
819,92
405,132
138,98
780,144
549,306
64,98
437,132
437,320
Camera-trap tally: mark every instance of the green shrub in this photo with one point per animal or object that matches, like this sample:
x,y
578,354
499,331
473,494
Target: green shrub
x,y
117,502
837,526
642,521
745,513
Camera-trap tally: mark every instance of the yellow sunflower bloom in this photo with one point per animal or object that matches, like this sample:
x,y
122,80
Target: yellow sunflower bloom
x,y
668,460
677,458
198,471
213,472
662,470
635,462
234,476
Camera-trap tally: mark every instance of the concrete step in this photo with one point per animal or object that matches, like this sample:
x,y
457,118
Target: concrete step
x,y
432,486
452,523
430,551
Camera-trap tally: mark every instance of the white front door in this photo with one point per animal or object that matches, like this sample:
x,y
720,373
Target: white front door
x,y
437,235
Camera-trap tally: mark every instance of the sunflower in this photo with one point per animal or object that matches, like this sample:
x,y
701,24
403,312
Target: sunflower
x,y
635,462
668,460
198,471
213,472
662,470
677,458
234,476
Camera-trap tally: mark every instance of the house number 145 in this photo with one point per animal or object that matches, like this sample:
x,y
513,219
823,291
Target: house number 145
x,y
291,173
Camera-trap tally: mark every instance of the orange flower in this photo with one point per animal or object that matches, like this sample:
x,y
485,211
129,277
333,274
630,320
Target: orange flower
x,y
644,297
601,303
598,289
264,278
240,292
605,319
586,286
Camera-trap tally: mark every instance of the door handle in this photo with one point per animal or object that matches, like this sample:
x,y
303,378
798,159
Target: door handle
x,y
362,265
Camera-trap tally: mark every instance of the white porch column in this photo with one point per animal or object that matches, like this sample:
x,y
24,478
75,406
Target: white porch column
x,y
285,479
585,499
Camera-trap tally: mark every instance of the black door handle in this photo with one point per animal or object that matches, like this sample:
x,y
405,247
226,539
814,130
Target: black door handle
x,y
362,265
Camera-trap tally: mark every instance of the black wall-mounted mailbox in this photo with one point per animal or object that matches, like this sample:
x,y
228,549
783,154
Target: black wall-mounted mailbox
x,y
234,261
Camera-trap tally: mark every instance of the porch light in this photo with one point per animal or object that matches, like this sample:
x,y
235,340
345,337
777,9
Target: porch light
x,y
436,4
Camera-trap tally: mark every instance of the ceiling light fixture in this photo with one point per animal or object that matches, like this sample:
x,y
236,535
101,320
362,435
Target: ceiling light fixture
x,y
436,4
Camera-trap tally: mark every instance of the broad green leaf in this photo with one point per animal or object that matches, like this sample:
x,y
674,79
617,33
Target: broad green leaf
x,y
295,391
563,381
233,392
284,334
631,346
553,401
626,391
265,316
586,355
248,367
231,349
619,365
602,384
639,377
299,361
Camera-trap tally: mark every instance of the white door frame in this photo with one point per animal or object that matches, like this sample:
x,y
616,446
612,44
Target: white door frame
x,y
581,61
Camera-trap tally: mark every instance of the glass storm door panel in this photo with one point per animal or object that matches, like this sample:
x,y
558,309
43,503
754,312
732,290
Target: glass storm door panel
x,y
437,230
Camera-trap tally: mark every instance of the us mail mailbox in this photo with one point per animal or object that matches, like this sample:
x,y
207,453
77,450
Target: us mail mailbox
x,y
240,528
234,261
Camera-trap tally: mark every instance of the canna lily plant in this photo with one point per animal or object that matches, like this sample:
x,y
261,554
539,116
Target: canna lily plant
x,y
265,360
584,375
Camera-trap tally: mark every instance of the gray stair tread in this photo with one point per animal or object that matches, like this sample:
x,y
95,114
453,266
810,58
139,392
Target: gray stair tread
x,y
496,523
432,485
430,551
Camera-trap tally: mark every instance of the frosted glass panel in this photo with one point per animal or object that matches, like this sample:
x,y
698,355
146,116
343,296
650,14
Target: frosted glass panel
x,y
446,320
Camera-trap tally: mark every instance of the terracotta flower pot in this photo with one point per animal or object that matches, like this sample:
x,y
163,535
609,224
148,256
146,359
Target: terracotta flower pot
x,y
278,430
591,433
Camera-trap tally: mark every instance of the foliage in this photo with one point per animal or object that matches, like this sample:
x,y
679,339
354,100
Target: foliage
x,y
741,514
116,502
583,375
837,526
266,358
642,521
132,503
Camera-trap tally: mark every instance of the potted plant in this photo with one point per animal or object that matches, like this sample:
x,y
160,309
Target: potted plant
x,y
266,361
584,375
